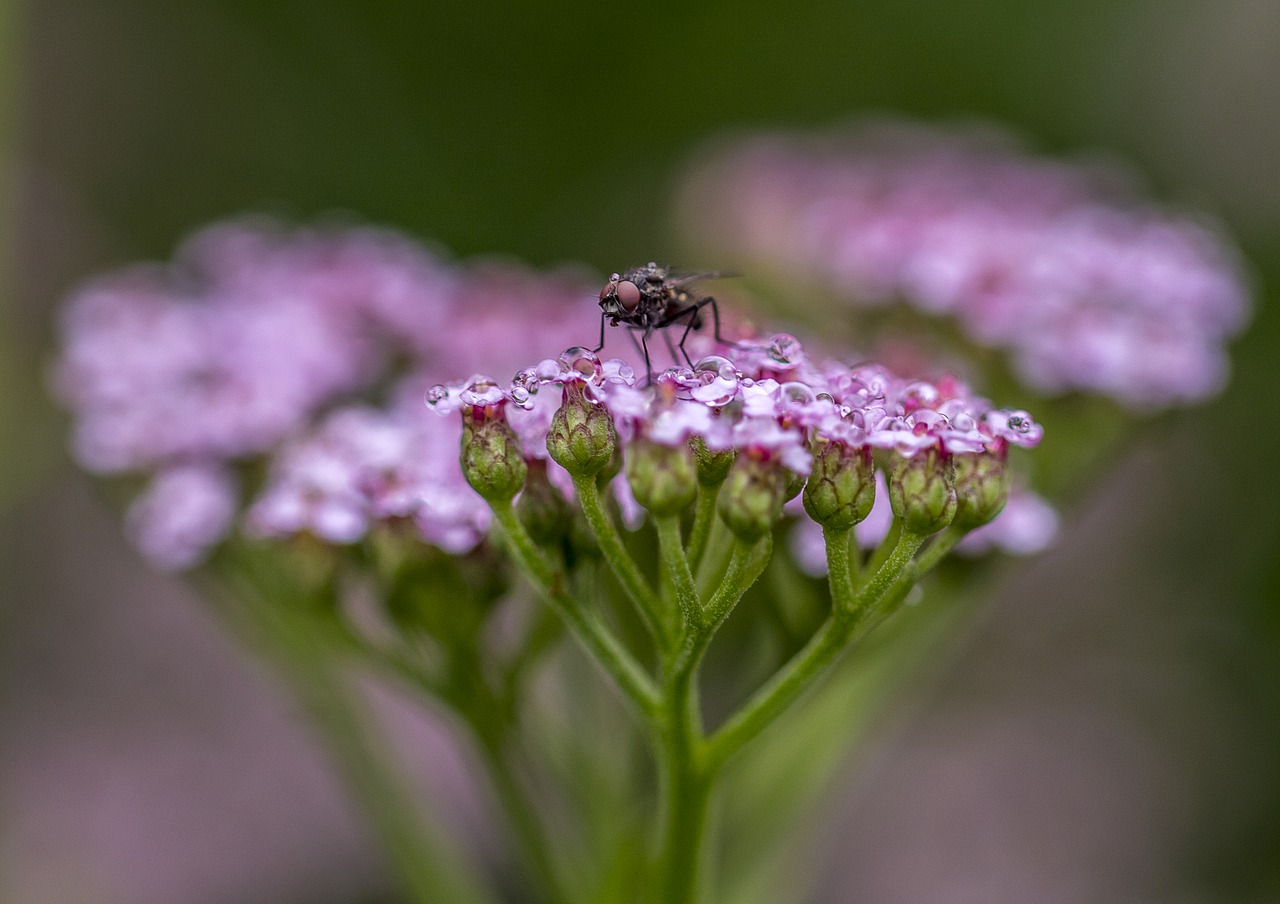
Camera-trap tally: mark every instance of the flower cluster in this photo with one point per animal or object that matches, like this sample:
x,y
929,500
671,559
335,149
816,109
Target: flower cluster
x,y
762,417
1084,287
287,369
264,341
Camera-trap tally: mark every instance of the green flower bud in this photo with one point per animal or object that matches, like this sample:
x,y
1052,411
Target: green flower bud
x,y
842,485
545,512
492,460
982,488
612,469
713,467
751,499
922,491
663,479
582,438
792,486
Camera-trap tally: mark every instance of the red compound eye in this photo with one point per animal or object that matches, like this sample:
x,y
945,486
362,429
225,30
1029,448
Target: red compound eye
x,y
628,295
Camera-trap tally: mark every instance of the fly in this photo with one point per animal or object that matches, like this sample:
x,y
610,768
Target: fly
x,y
651,298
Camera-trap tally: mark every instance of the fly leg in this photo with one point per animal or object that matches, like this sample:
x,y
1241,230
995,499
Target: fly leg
x,y
691,312
603,318
675,358
642,346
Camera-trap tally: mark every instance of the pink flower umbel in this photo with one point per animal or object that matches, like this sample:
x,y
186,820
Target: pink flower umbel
x,y
265,343
1085,287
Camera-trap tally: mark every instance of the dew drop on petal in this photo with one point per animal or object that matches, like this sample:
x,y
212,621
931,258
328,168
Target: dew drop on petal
x,y
436,395
482,392
919,395
785,349
582,361
527,381
716,364
618,370
797,393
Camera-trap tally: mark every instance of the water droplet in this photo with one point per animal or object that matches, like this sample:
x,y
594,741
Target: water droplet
x,y
521,397
618,370
527,381
436,395
582,361
481,392
919,395
797,393
1020,422
718,365
785,349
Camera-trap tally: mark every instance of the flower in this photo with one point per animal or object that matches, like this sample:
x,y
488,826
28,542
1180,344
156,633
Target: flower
x,y
301,346
734,403
183,511
1084,287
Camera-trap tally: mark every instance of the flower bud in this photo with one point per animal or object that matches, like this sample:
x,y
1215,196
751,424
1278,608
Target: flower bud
x,y
842,485
492,460
982,488
663,479
582,438
792,485
544,511
922,491
751,499
713,466
612,469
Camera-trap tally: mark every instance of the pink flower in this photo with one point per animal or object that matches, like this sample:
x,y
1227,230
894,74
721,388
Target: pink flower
x,y
1085,288
182,513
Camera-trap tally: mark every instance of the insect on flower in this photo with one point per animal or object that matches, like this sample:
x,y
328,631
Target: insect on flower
x,y
650,298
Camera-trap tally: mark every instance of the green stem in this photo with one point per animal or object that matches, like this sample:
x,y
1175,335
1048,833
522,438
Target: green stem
x,y
704,516
588,628
299,651
623,566
676,567
528,830
716,558
840,574
936,550
847,614
686,779
881,554
686,794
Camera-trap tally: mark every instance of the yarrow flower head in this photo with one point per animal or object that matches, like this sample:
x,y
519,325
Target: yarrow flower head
x,y
776,419
287,370
302,348
1085,287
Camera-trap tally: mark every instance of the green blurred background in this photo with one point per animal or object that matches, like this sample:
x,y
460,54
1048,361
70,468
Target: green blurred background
x,y
1110,731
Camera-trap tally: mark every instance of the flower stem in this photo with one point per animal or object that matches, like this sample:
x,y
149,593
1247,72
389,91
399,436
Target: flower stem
x,y
687,782
524,822
676,568
833,637
704,516
686,794
587,627
301,650
624,567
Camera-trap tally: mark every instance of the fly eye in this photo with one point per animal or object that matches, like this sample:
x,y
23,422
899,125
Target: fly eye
x,y
610,289
628,295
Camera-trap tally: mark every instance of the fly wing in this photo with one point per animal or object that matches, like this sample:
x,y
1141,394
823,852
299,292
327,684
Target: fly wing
x,y
681,280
